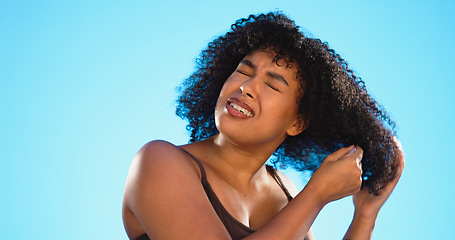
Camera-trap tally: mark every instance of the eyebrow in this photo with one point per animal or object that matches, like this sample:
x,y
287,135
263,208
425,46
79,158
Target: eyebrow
x,y
275,76
278,77
248,63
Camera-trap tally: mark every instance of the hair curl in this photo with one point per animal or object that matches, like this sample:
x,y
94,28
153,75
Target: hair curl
x,y
334,102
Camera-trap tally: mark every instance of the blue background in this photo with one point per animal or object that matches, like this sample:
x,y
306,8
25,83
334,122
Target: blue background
x,y
84,84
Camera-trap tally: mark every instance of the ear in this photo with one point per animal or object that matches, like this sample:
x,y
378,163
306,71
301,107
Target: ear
x,y
297,127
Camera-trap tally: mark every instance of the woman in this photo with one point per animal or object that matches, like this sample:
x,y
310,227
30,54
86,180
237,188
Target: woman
x,y
265,89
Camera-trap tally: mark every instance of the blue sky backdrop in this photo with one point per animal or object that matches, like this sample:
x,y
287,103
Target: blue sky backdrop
x,y
84,84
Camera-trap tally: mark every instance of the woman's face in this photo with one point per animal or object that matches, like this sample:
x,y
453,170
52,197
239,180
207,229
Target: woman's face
x,y
258,102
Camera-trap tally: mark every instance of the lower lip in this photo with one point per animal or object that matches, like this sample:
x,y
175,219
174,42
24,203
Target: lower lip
x,y
235,113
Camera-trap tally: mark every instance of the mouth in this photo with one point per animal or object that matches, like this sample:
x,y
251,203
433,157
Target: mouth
x,y
239,109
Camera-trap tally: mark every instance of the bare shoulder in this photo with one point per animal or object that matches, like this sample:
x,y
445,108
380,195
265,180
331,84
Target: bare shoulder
x,y
162,189
157,150
154,161
150,176
157,154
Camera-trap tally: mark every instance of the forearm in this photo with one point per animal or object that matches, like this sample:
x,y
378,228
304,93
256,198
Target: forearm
x,y
361,227
293,221
338,176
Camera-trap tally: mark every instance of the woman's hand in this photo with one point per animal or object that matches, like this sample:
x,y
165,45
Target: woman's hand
x,y
367,205
339,175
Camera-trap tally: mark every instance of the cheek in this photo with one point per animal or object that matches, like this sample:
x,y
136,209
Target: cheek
x,y
227,90
286,111
230,85
223,94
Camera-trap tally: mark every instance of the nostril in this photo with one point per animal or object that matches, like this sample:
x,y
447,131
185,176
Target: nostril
x,y
249,95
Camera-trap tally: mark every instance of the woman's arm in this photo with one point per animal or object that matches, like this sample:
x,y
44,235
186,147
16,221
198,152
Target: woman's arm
x,y
338,176
367,207
290,186
165,195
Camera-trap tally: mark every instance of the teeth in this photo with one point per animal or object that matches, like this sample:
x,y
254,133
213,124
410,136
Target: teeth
x,y
242,110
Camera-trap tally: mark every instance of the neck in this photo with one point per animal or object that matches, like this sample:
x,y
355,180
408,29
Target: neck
x,y
245,162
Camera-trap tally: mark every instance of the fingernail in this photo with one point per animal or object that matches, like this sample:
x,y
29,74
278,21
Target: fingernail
x,y
352,150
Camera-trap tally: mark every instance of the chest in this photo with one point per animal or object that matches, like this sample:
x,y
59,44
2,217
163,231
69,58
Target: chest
x,y
252,209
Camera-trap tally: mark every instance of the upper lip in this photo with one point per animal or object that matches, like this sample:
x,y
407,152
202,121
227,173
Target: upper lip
x,y
241,104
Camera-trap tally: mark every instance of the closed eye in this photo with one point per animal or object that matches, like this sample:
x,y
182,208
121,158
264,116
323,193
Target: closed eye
x,y
244,73
272,87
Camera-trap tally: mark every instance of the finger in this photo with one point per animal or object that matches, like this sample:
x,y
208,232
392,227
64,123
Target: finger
x,y
357,153
398,143
359,156
400,166
341,152
400,147
388,188
400,160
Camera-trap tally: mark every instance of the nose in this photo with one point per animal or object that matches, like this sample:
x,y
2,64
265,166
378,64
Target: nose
x,y
247,88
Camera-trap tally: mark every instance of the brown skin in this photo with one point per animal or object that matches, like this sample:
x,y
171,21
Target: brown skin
x,y
367,205
164,196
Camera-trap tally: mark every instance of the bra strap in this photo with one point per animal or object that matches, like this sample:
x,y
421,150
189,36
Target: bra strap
x,y
277,178
201,168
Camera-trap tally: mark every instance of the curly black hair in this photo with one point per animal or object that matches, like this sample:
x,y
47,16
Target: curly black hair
x,y
334,103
